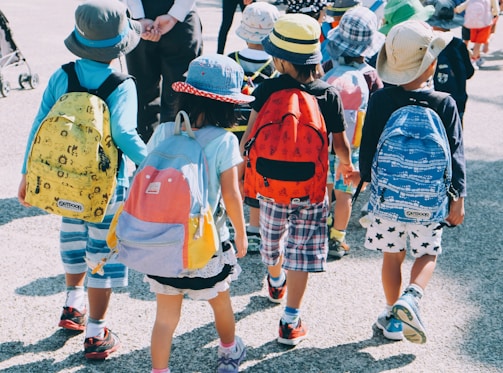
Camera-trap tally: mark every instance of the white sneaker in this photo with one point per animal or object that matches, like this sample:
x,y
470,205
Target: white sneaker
x,y
228,362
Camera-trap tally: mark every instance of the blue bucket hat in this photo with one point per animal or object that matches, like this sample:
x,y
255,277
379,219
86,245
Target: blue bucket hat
x,y
356,35
216,77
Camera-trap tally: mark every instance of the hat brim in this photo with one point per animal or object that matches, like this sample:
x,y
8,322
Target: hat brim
x,y
391,75
295,58
338,47
456,21
254,36
107,54
423,15
236,98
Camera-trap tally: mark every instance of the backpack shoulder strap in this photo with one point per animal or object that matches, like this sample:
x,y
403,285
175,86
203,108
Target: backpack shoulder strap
x,y
103,91
73,80
110,84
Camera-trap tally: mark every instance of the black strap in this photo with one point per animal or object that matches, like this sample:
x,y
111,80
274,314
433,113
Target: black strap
x,y
103,91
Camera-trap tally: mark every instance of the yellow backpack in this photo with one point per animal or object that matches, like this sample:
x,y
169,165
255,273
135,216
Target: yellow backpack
x,y
73,162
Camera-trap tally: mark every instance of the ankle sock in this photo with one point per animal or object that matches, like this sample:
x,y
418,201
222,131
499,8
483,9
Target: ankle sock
x,y
291,315
228,347
75,297
338,235
415,290
252,230
278,281
165,370
95,328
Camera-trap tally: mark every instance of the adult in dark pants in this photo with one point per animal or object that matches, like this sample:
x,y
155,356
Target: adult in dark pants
x,y
172,38
228,10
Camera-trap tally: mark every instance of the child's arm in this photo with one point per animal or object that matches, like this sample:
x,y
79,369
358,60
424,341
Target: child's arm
x,y
456,211
234,206
343,151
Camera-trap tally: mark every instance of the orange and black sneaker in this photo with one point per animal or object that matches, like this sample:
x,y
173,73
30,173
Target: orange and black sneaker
x,y
276,294
290,334
72,319
100,348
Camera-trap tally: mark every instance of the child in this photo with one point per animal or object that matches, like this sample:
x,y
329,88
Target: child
x,y
333,15
349,44
212,88
454,66
257,21
102,33
479,24
414,47
294,236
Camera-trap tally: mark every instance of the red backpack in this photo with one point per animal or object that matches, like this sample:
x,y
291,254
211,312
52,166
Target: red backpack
x,y
287,152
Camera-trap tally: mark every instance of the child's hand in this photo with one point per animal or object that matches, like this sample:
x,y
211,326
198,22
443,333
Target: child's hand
x,y
456,212
21,192
343,169
353,178
241,242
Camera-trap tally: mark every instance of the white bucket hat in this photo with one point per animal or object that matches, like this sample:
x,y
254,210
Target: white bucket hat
x,y
410,47
257,22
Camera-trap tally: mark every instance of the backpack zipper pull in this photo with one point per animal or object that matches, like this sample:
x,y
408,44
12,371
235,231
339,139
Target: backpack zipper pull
x,y
200,224
266,182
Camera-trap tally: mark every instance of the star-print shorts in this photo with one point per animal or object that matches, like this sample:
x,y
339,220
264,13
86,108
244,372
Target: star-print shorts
x,y
391,237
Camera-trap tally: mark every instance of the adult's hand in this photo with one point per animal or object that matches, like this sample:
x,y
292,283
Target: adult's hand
x,y
165,23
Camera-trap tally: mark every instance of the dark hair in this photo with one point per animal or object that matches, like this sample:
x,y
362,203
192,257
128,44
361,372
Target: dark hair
x,y
217,113
306,71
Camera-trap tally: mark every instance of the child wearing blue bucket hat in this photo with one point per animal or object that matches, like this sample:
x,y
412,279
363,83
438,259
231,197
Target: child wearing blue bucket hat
x,y
208,96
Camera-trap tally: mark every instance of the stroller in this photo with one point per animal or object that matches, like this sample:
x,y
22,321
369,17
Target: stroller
x,y
10,56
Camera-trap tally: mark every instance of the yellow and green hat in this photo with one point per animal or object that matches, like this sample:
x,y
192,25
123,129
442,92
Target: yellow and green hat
x,y
296,39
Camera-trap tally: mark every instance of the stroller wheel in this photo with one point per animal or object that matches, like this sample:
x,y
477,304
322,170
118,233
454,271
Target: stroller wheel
x,y
33,81
23,78
4,88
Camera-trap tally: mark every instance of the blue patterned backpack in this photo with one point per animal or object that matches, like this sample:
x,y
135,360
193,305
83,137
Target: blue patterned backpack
x,y
411,169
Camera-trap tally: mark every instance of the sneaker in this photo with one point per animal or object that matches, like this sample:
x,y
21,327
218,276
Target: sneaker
x,y
337,249
479,62
253,242
289,335
276,294
391,327
72,319
99,348
229,362
406,310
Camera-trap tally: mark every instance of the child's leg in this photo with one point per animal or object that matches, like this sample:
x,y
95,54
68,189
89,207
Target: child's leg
x,y
296,283
254,217
224,317
391,276
422,270
166,319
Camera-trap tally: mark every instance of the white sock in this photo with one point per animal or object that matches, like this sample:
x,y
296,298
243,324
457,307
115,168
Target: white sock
x,y
75,297
416,290
252,229
95,328
279,281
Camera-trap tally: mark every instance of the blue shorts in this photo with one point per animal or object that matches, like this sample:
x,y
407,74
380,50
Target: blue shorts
x,y
299,232
80,240
333,162
391,237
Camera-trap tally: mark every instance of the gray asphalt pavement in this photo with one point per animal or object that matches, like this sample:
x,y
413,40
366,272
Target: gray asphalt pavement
x,y
462,308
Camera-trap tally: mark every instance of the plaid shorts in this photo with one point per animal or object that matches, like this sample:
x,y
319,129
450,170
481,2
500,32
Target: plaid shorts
x,y
299,232
391,237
